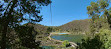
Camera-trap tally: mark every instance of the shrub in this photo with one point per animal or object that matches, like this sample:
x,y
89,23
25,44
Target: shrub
x,y
101,40
65,43
105,35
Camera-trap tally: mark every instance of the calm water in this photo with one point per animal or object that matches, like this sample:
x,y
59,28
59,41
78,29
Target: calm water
x,y
71,38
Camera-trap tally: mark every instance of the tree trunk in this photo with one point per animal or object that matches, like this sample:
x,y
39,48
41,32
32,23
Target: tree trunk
x,y
3,44
5,25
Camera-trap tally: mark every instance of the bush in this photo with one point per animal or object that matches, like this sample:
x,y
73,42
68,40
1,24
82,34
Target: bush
x,y
105,35
65,43
101,40
91,43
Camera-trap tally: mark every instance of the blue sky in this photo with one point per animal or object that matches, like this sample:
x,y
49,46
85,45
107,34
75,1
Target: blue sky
x,y
64,11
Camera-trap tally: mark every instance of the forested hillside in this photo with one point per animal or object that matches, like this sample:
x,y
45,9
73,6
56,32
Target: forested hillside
x,y
39,28
76,26
36,31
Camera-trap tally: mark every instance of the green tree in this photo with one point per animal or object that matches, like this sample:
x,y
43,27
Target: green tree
x,y
27,36
12,12
49,29
99,11
91,43
100,21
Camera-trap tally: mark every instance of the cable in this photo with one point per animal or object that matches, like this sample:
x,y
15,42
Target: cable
x,y
51,13
51,16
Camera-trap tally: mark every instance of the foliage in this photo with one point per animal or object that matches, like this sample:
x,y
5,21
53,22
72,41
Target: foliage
x,y
14,12
101,40
91,43
49,29
65,43
99,14
105,37
27,36
108,43
99,27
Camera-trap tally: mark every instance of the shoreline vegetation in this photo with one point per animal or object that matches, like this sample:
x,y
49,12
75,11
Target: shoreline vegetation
x,y
58,43
72,43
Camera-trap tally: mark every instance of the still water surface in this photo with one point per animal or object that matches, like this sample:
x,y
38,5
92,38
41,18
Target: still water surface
x,y
71,38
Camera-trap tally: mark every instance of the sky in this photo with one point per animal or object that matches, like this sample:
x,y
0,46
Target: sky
x,y
64,11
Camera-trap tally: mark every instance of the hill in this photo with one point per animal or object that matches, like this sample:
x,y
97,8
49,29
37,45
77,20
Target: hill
x,y
76,26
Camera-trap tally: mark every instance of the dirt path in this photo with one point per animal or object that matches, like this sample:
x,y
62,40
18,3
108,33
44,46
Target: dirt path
x,y
72,43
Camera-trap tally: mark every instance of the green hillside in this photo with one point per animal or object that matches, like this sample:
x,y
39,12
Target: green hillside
x,y
76,26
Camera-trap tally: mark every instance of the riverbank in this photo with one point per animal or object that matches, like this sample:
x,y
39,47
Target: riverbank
x,y
72,43
49,41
